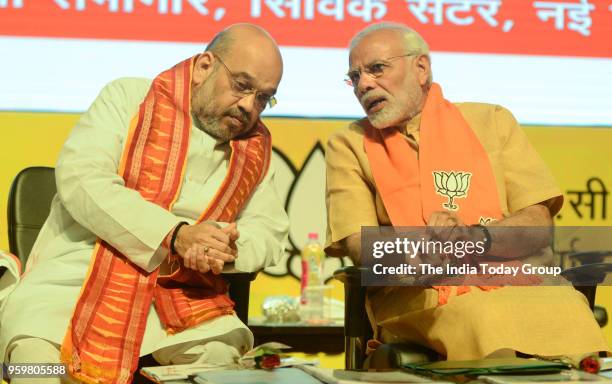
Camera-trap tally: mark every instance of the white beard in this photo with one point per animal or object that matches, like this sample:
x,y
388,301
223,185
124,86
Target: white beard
x,y
384,118
393,114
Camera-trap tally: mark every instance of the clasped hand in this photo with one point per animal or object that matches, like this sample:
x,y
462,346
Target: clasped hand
x,y
205,247
443,227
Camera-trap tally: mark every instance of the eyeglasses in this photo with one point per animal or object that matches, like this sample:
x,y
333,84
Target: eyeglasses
x,y
375,69
241,88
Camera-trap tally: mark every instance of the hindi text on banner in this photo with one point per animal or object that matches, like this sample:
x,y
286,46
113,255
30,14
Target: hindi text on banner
x,y
578,14
458,12
367,10
127,6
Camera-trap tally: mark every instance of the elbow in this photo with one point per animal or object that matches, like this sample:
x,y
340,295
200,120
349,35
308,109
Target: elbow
x,y
542,213
351,246
67,180
543,223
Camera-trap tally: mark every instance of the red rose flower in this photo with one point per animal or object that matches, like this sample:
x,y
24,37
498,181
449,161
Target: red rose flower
x,y
590,364
269,361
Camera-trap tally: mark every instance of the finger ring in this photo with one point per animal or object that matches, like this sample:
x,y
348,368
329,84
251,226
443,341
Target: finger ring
x,y
205,248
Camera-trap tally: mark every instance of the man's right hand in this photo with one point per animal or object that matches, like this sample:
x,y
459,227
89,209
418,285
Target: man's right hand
x,y
210,241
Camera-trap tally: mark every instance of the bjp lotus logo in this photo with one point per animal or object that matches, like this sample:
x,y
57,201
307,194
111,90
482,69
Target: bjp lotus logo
x,y
485,220
452,185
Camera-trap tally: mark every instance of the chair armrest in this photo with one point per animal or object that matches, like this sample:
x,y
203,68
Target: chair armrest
x,y
239,286
239,277
588,274
356,321
349,275
357,329
591,257
586,277
601,315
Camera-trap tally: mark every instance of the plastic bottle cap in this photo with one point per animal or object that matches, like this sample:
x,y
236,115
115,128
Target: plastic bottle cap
x,y
313,236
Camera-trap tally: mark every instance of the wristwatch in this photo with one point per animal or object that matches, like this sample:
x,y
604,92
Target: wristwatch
x,y
487,237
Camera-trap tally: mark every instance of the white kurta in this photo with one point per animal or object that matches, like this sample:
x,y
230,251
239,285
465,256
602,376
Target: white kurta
x,y
93,202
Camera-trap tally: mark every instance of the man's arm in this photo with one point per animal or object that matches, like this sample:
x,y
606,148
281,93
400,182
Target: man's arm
x,y
350,198
523,233
352,246
518,235
519,241
263,227
91,189
532,196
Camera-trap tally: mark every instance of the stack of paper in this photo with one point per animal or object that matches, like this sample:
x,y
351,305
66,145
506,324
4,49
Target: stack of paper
x,y
171,374
565,377
340,376
257,376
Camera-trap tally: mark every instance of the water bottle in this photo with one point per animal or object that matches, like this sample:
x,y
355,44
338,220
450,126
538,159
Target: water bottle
x,y
312,284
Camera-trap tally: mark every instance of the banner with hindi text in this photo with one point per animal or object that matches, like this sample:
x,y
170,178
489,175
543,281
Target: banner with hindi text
x,y
577,27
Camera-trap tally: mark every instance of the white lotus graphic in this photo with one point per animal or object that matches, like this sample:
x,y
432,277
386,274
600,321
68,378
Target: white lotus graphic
x,y
303,192
452,185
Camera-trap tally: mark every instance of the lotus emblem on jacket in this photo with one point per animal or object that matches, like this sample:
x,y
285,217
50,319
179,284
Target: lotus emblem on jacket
x,y
485,220
452,185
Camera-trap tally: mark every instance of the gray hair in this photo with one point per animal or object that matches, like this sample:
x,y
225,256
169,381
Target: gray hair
x,y
221,43
413,42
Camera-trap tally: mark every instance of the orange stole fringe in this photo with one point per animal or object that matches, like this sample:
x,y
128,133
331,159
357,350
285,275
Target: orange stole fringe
x,y
102,343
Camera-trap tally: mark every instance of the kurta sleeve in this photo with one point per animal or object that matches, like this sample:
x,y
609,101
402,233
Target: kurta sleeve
x,y
91,189
350,199
263,226
528,180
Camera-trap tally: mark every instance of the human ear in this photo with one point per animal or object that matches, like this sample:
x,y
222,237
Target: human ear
x,y
423,64
202,68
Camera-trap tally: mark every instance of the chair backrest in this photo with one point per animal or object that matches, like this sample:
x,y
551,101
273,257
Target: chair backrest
x,y
28,207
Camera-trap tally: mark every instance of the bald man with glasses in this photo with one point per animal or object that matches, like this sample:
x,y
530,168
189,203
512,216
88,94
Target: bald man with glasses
x,y
459,169
161,185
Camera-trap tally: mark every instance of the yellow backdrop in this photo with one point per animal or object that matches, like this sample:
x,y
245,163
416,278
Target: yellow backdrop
x,y
575,155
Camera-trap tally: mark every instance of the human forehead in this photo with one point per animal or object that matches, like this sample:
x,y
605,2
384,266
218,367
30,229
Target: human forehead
x,y
377,45
262,71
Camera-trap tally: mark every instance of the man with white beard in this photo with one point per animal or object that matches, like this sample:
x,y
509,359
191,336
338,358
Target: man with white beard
x,y
419,160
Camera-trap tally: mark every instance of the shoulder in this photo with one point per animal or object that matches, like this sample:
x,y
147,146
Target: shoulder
x,y
484,112
351,135
489,120
128,88
122,96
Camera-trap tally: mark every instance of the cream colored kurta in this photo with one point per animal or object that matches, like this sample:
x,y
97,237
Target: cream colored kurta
x,y
93,202
545,321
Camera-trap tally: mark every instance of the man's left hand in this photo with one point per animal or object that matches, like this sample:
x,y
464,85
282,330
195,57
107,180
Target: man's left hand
x,y
447,226
444,226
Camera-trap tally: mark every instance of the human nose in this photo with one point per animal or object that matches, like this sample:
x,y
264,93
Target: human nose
x,y
366,83
248,103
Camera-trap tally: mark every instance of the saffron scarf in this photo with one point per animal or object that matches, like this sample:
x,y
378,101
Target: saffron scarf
x,y
102,343
451,171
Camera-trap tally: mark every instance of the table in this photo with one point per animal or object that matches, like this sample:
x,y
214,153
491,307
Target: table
x,y
328,338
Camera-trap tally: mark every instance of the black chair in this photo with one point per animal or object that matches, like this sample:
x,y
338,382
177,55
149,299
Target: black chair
x,y
358,330
591,270
29,204
28,207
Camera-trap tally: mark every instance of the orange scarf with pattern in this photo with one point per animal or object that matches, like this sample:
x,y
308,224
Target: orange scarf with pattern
x,y
102,344
451,171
